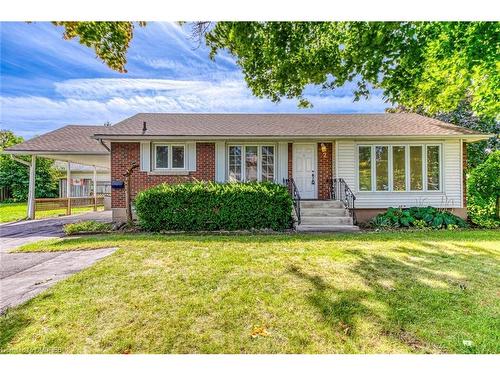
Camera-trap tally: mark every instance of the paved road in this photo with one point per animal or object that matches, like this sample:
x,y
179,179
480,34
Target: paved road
x,y
24,275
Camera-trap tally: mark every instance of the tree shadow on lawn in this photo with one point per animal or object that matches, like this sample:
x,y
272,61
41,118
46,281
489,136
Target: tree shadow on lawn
x,y
429,296
431,303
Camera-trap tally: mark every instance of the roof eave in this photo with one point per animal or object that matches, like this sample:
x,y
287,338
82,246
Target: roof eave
x,y
52,152
125,137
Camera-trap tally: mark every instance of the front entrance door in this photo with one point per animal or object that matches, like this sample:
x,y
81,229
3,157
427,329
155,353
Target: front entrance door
x,y
304,169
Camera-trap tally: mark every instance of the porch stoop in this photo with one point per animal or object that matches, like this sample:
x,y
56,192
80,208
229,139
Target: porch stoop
x,y
325,216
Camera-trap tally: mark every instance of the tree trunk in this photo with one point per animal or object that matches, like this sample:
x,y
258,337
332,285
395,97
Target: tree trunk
x,y
128,200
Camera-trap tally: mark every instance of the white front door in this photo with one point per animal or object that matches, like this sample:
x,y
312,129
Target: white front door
x,y
304,169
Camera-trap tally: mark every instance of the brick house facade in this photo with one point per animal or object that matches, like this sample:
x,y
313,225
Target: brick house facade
x,y
123,155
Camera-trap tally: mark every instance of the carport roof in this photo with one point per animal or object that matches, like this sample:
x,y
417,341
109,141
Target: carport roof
x,y
74,139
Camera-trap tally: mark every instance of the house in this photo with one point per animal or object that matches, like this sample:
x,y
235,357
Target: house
x,y
367,162
82,180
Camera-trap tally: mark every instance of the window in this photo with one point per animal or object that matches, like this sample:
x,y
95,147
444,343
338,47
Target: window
x,y
235,163
365,168
251,163
416,163
251,160
267,172
162,157
382,167
433,168
177,156
399,167
169,156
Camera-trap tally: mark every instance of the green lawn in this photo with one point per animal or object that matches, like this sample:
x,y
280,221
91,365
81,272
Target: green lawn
x,y
420,292
17,211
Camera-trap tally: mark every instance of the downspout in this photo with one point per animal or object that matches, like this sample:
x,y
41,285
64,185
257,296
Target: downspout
x,y
104,145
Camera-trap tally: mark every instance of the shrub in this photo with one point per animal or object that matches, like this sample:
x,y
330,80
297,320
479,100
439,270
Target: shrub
x,y
483,192
417,217
89,226
214,206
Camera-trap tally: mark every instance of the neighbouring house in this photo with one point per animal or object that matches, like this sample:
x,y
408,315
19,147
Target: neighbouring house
x,y
364,163
82,180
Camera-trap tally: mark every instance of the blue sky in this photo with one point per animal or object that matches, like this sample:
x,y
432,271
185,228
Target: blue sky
x,y
47,82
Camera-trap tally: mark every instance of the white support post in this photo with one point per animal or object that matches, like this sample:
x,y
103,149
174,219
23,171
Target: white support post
x,y
31,191
68,187
95,188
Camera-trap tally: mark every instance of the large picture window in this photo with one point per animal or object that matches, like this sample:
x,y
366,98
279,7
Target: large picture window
x,y
365,168
399,167
251,163
168,156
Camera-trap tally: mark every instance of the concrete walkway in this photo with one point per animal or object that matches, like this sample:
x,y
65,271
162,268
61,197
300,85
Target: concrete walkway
x,y
24,275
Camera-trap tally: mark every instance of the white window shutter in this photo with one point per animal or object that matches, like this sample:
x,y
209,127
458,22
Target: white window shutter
x,y
145,156
191,156
220,161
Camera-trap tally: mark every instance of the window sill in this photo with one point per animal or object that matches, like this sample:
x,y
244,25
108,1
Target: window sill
x,y
171,172
402,192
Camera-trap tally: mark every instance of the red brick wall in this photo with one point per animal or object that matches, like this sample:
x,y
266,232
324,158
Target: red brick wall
x,y
290,160
324,171
124,154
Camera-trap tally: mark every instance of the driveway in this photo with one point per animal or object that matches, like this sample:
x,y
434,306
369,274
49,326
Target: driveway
x,y
19,233
24,275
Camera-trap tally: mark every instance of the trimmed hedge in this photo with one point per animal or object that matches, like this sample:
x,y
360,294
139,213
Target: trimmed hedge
x,y
206,206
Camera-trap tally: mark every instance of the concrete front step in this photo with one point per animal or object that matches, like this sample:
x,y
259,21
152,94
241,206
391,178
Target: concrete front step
x,y
327,228
321,204
324,220
322,212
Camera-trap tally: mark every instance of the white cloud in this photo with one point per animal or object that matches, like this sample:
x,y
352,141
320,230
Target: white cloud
x,y
95,101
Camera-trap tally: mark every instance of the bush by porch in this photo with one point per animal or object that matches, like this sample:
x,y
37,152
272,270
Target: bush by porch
x,y
214,206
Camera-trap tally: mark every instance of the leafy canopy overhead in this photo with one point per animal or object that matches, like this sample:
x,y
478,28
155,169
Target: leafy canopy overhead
x,y
110,40
426,66
430,66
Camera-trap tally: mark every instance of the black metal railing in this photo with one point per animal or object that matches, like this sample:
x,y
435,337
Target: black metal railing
x,y
340,191
294,192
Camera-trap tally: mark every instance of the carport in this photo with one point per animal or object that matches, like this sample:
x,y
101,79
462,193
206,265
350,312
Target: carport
x,y
71,144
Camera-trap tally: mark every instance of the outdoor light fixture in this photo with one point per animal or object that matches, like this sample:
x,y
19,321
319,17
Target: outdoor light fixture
x,y
323,148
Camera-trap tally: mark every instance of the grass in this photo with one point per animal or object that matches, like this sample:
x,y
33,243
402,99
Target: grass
x,y
17,211
87,226
416,292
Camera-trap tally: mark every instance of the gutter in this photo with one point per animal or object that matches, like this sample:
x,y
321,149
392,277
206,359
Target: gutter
x,y
133,137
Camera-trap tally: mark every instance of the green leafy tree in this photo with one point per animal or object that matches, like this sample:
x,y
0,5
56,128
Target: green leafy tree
x,y
15,176
109,40
477,152
429,66
483,190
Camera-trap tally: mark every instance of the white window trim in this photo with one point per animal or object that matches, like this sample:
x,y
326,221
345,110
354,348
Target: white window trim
x,y
259,159
170,165
407,168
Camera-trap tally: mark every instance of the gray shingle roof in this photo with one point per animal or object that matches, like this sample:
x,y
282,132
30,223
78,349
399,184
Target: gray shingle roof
x,y
70,138
294,125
